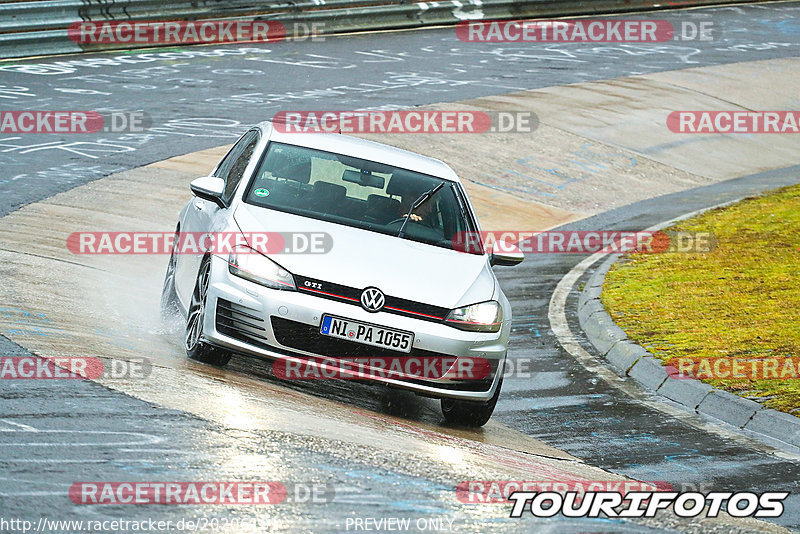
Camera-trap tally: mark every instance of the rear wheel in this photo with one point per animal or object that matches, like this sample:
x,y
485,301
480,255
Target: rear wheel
x,y
470,413
196,348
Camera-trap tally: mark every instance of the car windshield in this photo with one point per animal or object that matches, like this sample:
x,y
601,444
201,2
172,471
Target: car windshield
x,y
359,193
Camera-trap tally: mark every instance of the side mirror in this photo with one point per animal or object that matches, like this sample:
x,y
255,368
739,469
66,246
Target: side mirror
x,y
505,254
209,188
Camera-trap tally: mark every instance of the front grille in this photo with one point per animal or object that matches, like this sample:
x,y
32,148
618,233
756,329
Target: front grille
x,y
352,295
248,326
241,322
301,336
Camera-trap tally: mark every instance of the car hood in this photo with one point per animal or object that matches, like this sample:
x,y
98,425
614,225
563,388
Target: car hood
x,y
360,258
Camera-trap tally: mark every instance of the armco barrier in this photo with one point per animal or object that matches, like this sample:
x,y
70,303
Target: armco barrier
x,y
40,27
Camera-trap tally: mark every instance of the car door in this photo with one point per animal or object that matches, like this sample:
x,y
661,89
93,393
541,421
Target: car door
x,y
204,216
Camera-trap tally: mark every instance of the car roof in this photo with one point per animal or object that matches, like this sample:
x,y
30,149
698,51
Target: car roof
x,y
364,149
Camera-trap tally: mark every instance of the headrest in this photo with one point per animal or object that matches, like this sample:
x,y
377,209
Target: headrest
x,y
381,201
406,183
329,189
284,166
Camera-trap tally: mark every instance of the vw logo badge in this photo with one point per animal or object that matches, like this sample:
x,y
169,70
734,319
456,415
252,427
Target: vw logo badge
x,y
372,299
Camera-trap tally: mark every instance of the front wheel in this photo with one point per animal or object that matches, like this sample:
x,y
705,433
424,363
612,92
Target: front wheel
x,y
470,413
196,348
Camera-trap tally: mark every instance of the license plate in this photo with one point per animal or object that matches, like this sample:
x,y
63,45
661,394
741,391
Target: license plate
x,y
368,334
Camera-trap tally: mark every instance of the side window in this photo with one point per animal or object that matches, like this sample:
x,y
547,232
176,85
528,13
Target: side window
x,y
225,165
232,167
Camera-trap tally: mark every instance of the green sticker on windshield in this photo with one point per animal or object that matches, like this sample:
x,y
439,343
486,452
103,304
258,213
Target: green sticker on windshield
x,y
261,192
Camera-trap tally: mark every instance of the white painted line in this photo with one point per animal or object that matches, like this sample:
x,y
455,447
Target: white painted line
x,y
170,451
557,316
31,494
26,428
57,461
149,439
24,481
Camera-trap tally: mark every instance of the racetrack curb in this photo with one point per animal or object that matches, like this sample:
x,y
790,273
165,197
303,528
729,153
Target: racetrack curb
x,y
627,358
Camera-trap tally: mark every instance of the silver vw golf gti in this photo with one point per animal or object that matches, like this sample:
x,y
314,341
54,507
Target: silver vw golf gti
x,y
394,294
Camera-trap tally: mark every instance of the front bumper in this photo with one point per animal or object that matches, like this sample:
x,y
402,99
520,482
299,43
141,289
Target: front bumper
x,y
258,308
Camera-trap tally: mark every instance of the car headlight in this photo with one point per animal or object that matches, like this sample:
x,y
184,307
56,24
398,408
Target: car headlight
x,y
482,317
248,264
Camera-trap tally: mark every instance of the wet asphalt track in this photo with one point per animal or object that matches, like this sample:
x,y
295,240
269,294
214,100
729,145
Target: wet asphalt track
x,y
199,97
561,403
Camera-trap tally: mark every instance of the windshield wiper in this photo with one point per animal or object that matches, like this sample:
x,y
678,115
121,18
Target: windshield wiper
x,y
424,197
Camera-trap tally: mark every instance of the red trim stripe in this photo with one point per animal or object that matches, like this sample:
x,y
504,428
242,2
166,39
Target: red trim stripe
x,y
356,300
329,294
415,313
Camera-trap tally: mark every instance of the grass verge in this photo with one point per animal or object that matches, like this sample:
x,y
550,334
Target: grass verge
x,y
740,301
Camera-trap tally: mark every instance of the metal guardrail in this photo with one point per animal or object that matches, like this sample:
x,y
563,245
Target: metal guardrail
x,y
32,28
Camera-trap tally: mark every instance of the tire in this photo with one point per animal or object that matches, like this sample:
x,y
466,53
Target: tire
x,y
196,348
470,413
170,309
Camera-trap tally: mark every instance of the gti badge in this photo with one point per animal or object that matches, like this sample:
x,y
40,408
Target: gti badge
x,y
372,299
